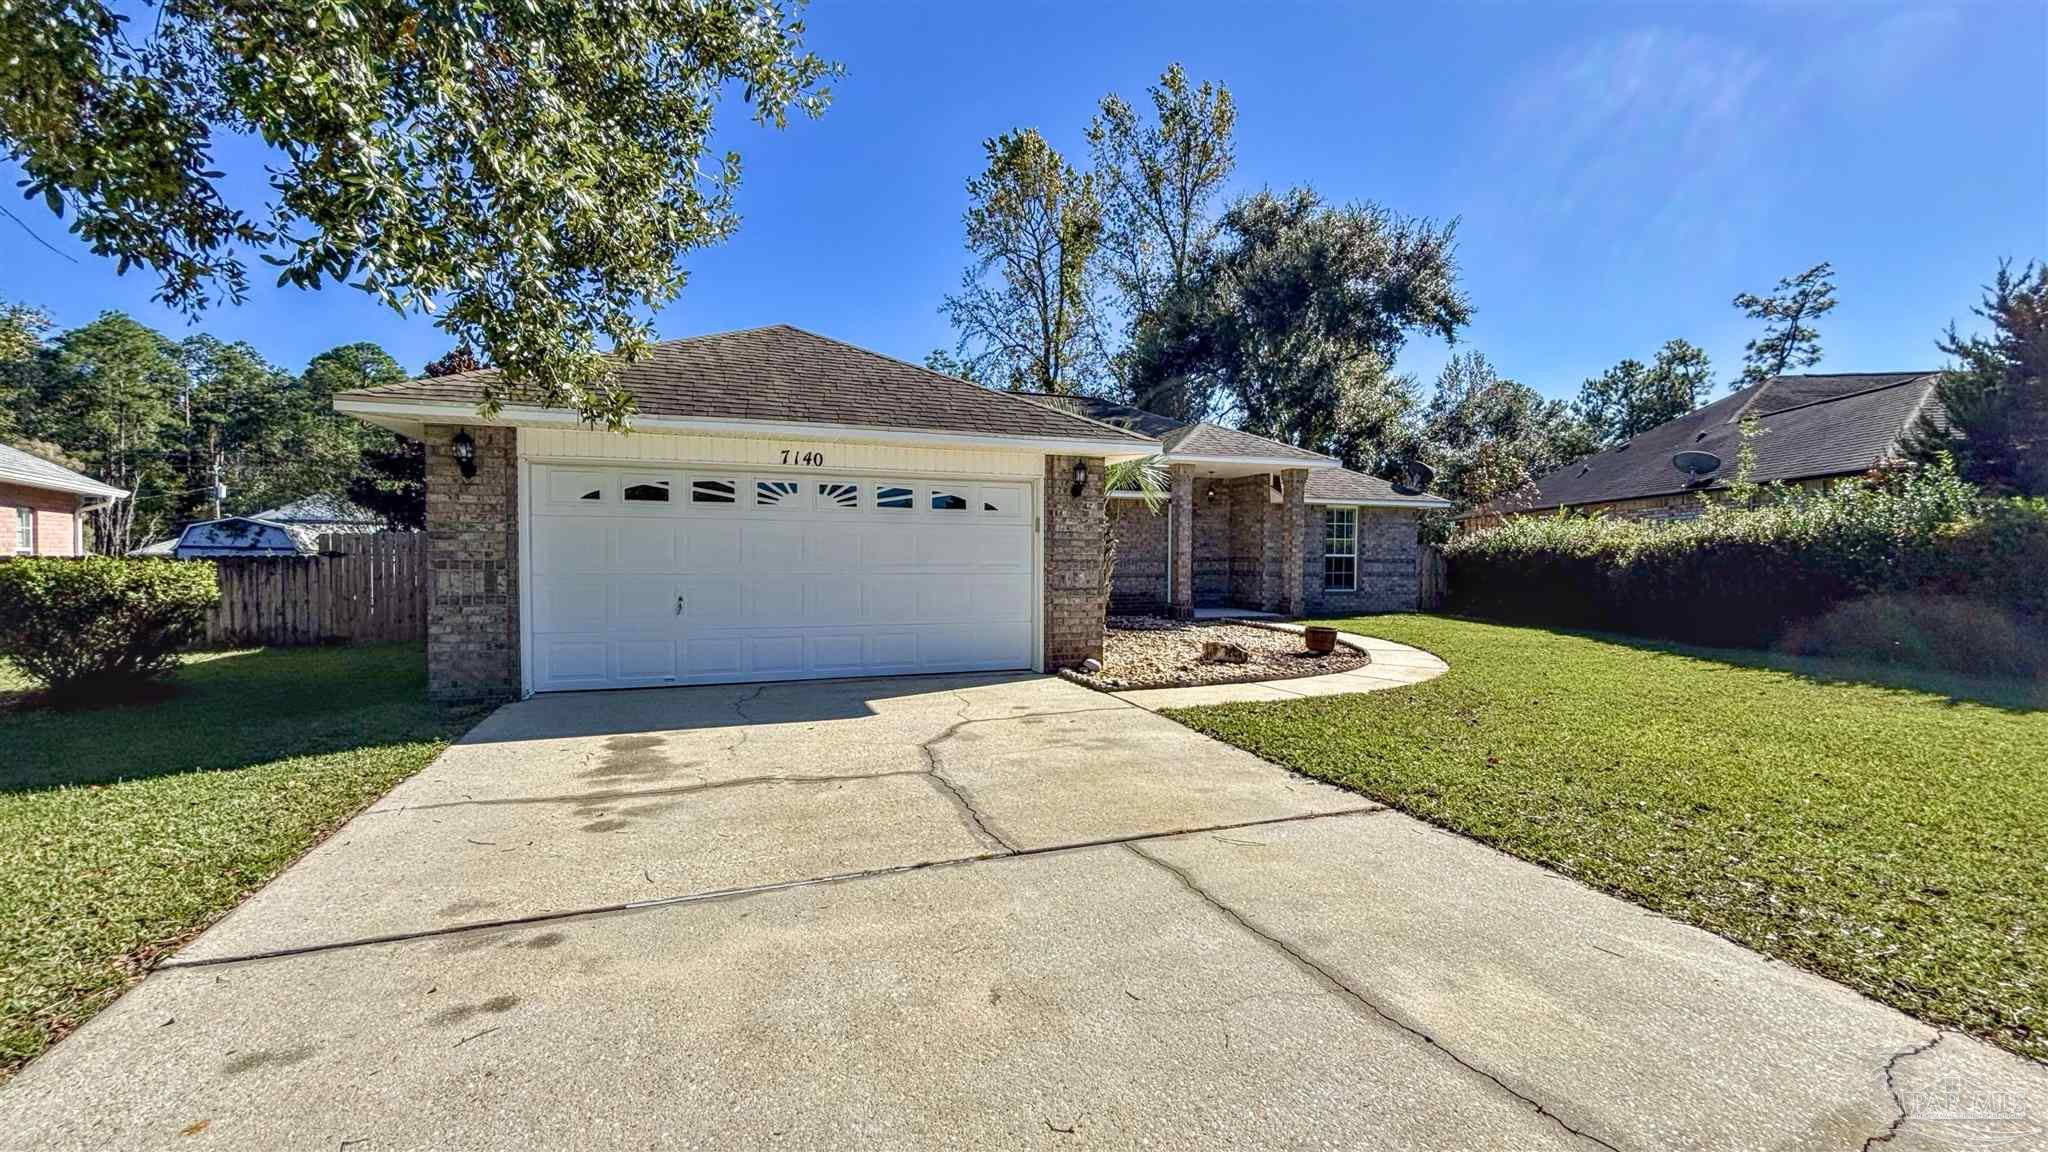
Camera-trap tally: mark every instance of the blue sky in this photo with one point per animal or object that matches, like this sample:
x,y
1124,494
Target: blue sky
x,y
1619,172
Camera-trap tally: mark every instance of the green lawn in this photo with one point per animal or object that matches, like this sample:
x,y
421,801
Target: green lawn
x,y
126,831
1889,837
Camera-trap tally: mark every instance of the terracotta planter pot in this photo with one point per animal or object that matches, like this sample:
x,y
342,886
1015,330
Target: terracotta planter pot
x,y
1321,641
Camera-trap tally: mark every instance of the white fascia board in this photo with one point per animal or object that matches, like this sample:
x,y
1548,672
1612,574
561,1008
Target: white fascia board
x,y
390,415
83,486
1280,462
1422,504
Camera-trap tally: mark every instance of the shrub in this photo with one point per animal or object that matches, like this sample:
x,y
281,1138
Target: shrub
x,y
101,622
1949,633
1742,575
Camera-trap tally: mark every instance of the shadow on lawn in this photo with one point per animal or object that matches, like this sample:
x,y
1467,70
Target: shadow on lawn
x,y
230,710
2009,695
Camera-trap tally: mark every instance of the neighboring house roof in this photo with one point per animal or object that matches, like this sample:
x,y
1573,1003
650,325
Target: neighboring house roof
x,y
245,536
165,547
18,467
1197,441
324,511
1808,427
778,375
1327,483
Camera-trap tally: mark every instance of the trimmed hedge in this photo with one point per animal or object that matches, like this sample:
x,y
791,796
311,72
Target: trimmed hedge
x,y
101,622
1741,576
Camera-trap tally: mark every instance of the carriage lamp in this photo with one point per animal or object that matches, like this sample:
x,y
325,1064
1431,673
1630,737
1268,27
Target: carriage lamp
x,y
463,448
1080,477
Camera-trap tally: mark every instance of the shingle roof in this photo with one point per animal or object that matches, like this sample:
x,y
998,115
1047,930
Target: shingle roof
x,y
18,467
1179,438
1343,486
1216,440
785,374
1109,412
1808,427
323,508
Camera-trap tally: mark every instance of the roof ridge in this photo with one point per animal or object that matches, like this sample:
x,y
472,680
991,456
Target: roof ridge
x,y
1900,383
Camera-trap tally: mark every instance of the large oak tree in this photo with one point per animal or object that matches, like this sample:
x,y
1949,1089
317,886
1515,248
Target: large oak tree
x,y
530,172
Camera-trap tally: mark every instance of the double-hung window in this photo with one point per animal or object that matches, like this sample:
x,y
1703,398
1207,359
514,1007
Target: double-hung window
x,y
1340,549
24,532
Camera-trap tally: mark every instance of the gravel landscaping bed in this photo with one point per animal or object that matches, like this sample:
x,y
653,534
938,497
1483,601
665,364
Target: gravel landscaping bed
x,y
1150,652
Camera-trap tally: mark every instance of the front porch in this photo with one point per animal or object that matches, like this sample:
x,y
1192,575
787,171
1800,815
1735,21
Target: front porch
x,y
1228,540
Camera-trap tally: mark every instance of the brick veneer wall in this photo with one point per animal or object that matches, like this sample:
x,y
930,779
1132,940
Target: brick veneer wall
x,y
1211,545
1075,600
1181,512
1138,583
1389,558
56,518
473,554
1245,497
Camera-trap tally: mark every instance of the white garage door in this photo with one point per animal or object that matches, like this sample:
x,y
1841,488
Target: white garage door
x,y
647,577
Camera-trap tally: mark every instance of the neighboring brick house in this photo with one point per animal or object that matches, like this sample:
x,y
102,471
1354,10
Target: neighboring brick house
x,y
1810,429
791,507
41,505
1252,523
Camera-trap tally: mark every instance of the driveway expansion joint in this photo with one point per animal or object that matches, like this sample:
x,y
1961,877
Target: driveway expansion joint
x,y
1891,1085
648,793
720,895
1330,980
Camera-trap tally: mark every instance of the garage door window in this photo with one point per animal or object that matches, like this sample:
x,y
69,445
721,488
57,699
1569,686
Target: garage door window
x,y
776,493
647,492
837,495
944,501
711,492
893,496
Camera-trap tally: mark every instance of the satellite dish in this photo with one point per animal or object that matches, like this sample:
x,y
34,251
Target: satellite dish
x,y
1418,475
1696,464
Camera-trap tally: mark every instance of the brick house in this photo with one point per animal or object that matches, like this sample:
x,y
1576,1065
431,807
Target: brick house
x,y
791,507
1810,430
41,505
1258,524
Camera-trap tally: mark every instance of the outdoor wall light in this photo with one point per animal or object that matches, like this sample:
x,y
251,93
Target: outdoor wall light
x,y
1080,478
463,448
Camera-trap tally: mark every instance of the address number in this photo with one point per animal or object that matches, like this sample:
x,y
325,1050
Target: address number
x,y
803,459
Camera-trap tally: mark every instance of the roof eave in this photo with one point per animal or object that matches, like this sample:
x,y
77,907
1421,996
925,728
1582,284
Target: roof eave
x,y
1282,462
1430,503
83,486
410,417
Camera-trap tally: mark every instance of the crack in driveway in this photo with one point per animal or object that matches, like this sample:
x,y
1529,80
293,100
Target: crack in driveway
x,y
959,796
719,895
1891,1068
1335,984
637,794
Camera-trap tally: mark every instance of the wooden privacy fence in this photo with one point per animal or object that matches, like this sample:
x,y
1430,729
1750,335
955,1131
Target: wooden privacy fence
x,y
1430,579
364,588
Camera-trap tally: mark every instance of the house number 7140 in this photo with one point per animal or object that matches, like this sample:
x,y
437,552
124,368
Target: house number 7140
x,y
803,459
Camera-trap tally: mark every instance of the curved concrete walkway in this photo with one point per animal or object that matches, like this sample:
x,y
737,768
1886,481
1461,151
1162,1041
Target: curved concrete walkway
x,y
1393,665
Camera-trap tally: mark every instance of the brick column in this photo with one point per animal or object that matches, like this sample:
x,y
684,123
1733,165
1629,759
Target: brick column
x,y
1075,527
1180,515
1293,538
473,562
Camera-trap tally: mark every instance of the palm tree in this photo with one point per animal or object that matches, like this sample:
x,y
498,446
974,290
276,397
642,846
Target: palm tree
x,y
1145,475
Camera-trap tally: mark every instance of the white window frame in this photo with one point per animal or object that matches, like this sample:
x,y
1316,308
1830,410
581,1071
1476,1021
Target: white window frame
x,y
24,531
1332,515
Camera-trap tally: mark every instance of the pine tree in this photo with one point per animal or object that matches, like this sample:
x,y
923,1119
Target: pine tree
x,y
1992,416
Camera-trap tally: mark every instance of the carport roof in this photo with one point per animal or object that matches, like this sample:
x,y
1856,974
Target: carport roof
x,y
778,375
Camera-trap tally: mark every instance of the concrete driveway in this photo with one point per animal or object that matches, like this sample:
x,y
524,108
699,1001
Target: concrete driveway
x,y
963,912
